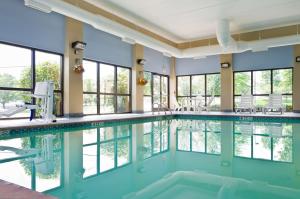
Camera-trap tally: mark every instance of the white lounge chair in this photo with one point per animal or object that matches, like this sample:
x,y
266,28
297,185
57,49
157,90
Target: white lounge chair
x,y
275,103
208,104
198,103
246,104
187,104
177,106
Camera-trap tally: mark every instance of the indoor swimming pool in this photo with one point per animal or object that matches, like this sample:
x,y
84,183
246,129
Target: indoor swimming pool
x,y
162,157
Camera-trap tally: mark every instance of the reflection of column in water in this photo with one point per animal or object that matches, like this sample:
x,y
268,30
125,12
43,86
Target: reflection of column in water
x,y
138,154
73,167
227,147
296,152
173,127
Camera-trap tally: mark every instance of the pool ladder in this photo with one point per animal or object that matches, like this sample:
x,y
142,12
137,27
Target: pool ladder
x,y
161,107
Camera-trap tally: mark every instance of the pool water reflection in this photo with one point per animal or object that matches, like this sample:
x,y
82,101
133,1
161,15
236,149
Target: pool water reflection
x,y
159,159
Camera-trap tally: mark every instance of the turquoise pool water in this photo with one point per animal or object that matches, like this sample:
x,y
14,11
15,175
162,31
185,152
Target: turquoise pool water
x,y
159,158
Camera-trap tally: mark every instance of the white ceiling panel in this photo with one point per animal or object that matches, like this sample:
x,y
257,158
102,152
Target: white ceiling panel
x,y
185,20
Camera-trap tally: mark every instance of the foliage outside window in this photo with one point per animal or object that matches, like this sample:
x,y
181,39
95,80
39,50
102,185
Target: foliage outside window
x,y
148,92
18,73
262,83
106,88
206,85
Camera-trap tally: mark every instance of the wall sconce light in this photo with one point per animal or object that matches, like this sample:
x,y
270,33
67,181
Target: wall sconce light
x,y
78,45
298,59
225,65
141,61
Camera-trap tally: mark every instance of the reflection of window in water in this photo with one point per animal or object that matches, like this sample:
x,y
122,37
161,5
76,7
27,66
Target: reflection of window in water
x,y
33,162
156,138
269,141
105,149
199,136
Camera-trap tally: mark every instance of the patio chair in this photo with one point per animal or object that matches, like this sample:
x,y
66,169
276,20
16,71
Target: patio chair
x,y
246,104
187,104
208,104
197,103
177,106
275,103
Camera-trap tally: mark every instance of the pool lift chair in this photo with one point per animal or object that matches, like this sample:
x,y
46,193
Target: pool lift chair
x,y
43,92
246,104
275,103
43,158
44,161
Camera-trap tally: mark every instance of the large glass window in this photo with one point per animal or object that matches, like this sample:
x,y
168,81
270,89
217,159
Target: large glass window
x,y
262,83
90,87
198,85
107,88
156,91
20,68
48,66
206,85
183,86
148,92
242,82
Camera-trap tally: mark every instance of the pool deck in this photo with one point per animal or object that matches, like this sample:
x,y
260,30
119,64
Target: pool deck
x,y
25,123
13,191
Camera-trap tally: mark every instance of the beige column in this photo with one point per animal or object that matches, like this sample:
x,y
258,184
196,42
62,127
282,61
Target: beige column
x,y
137,72
73,97
296,80
226,84
172,82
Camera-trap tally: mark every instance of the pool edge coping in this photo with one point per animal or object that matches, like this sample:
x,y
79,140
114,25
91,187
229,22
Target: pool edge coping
x,y
70,122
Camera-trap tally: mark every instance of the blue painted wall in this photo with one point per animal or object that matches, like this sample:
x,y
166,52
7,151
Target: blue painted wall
x,y
280,57
187,66
26,26
105,47
155,61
